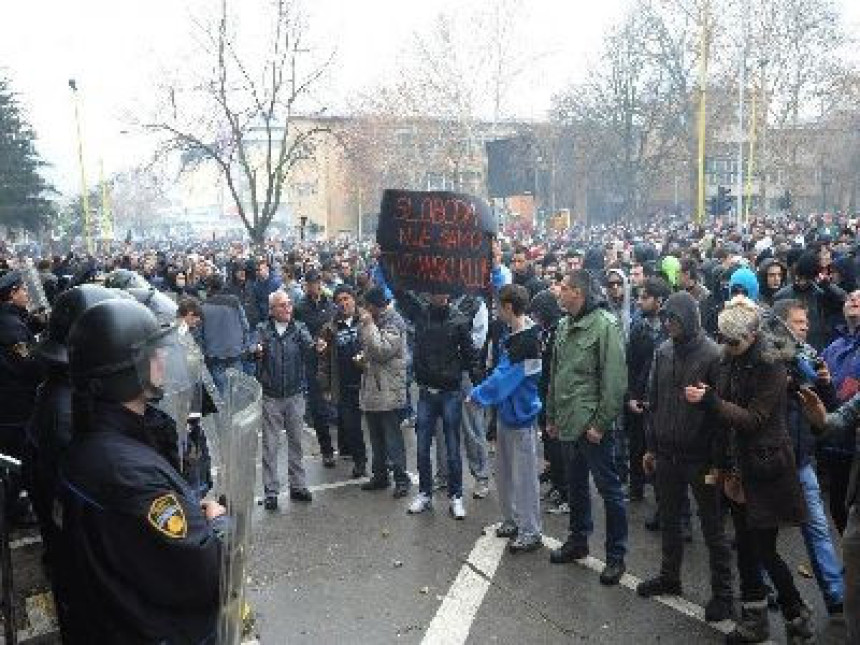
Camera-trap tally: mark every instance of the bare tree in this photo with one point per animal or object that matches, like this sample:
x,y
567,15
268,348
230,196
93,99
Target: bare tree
x,y
241,115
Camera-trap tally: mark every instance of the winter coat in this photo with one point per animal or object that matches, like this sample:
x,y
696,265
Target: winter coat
x,y
589,373
342,345
513,384
681,430
749,402
20,371
383,382
443,343
843,360
225,332
824,306
285,358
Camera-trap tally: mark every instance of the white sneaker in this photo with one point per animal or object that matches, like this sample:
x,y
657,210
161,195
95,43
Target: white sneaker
x,y
457,508
420,504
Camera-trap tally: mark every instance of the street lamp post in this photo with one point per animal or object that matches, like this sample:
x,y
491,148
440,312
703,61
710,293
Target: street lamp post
x,y
85,200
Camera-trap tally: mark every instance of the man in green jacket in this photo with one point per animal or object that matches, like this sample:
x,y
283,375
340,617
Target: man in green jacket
x,y
586,392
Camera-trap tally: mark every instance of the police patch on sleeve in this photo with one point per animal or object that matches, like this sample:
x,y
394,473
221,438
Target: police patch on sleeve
x,y
21,349
167,516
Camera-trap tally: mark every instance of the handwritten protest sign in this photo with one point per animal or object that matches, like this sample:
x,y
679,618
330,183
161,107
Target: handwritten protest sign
x,y
436,242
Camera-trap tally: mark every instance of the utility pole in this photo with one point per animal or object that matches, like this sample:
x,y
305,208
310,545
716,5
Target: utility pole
x,y
85,198
742,81
703,79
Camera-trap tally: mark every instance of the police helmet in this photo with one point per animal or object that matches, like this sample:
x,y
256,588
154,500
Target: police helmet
x,y
125,279
68,307
110,347
158,303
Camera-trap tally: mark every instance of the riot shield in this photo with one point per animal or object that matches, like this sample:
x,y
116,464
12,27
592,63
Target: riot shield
x,y
232,433
38,299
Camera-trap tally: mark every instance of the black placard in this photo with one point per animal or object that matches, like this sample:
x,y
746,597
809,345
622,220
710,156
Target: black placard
x,y
436,242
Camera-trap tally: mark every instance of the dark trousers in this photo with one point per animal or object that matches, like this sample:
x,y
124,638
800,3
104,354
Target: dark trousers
x,y
583,457
851,558
757,549
386,443
672,480
634,425
319,411
350,439
555,457
838,469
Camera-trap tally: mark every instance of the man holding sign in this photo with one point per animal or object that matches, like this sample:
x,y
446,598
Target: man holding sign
x,y
438,244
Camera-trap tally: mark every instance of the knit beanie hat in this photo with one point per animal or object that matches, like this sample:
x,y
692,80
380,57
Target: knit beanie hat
x,y
739,319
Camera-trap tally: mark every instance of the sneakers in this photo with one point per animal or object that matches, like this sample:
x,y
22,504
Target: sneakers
x,y
658,586
482,489
507,529
718,609
271,503
525,543
401,489
568,552
612,573
375,483
458,511
300,495
420,504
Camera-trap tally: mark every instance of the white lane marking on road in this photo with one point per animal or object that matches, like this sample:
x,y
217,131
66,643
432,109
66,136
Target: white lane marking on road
x,y
285,494
681,605
453,620
41,613
20,543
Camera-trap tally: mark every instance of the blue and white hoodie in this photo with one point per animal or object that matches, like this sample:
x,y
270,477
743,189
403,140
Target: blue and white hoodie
x,y
513,384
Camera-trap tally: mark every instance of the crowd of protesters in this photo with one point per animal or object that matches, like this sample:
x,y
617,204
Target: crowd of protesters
x,y
659,354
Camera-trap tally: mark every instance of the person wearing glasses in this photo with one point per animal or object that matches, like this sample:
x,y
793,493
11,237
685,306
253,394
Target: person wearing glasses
x,y
757,471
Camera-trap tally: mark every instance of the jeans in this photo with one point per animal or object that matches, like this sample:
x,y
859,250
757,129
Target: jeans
x,y
819,544
386,443
432,406
672,479
582,457
474,430
851,557
757,549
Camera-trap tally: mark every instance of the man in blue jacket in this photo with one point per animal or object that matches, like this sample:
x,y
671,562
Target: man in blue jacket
x,y
513,389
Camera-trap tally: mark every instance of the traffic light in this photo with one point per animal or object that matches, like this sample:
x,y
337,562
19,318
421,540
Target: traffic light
x,y
712,206
724,200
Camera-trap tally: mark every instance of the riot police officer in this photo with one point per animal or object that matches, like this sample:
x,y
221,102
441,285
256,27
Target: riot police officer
x,y
20,372
50,429
138,553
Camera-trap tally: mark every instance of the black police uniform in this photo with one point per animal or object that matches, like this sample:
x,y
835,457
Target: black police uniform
x,y
138,561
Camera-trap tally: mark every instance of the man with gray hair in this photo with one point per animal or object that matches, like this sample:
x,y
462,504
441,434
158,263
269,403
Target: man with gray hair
x,y
285,345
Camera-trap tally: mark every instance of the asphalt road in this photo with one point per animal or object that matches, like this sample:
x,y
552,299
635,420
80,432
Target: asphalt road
x,y
354,567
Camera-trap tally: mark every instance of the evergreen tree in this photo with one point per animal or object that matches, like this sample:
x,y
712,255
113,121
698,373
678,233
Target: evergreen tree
x,y
24,192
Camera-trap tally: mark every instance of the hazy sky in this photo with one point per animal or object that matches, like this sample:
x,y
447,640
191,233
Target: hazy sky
x,y
116,48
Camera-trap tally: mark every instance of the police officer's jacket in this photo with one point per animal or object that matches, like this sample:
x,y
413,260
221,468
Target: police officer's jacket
x,y
20,372
137,562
